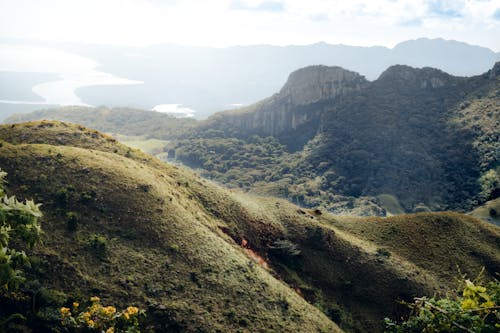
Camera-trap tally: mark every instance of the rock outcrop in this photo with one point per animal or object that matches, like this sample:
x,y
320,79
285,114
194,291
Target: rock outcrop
x,y
296,110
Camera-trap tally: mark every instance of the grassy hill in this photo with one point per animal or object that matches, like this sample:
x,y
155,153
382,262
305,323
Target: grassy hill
x,y
188,251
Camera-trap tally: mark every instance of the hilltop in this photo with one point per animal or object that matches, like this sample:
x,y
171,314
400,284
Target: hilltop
x,y
188,251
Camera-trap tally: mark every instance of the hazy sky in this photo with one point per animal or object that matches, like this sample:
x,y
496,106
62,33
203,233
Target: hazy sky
x,y
241,22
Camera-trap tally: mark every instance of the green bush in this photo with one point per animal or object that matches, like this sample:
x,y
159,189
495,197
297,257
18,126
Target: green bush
x,y
475,308
99,245
18,222
72,220
383,252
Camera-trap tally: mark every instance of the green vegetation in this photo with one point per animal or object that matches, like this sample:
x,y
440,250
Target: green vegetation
x,y
474,309
125,121
98,245
388,148
164,251
201,258
99,318
19,228
72,219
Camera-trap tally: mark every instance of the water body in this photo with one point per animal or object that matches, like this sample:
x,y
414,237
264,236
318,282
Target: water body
x,y
176,110
73,72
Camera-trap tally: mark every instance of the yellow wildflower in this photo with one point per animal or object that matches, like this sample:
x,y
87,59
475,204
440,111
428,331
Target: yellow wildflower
x,y
94,299
86,316
75,304
90,323
109,310
110,330
488,304
126,315
65,312
132,310
469,304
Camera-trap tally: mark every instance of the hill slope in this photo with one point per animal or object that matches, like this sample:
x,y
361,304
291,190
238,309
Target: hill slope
x,y
185,249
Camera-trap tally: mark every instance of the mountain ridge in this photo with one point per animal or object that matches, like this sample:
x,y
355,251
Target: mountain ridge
x,y
422,137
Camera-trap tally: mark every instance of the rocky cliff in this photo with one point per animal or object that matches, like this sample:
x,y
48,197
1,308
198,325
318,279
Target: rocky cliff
x,y
296,109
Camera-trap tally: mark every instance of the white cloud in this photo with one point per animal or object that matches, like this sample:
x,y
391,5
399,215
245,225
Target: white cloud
x,y
217,23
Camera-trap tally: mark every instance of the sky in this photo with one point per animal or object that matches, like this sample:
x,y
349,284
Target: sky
x,y
222,23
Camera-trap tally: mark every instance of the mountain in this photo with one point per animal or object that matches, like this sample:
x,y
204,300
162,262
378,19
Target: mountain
x,y
427,139
188,251
415,139
213,79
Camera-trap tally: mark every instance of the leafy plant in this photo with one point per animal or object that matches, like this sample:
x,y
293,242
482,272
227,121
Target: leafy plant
x,y
99,245
475,308
72,219
18,222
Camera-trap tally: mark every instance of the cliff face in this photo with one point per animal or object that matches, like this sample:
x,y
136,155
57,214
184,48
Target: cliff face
x,y
296,109
316,83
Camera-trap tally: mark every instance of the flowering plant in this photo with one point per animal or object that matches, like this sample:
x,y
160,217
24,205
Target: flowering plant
x,y
99,318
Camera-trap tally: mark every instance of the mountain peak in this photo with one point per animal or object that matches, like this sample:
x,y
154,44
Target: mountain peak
x,y
314,83
495,71
424,77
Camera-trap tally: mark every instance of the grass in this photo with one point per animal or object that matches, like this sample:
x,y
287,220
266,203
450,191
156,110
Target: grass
x,y
173,241
207,284
489,212
150,146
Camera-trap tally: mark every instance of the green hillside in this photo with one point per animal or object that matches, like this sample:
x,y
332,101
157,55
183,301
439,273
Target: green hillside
x,y
125,121
188,251
425,138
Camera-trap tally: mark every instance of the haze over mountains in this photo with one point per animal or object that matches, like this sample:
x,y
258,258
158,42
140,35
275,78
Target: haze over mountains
x,y
212,79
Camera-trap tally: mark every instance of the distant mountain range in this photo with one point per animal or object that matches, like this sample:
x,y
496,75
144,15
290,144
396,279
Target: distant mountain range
x,y
213,79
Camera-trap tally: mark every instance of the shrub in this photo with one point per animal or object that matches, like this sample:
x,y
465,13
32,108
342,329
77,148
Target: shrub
x,y
475,308
18,222
99,245
99,318
62,196
383,252
285,248
72,220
